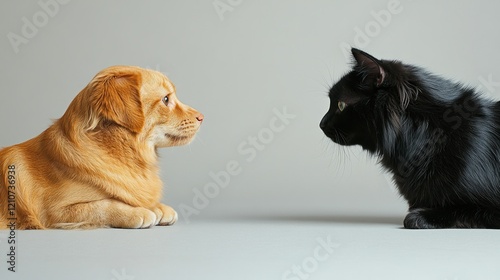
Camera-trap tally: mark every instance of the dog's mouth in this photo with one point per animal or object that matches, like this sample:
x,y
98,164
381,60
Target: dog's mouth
x,y
177,138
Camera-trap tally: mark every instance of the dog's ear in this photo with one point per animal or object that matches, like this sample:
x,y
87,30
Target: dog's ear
x,y
115,96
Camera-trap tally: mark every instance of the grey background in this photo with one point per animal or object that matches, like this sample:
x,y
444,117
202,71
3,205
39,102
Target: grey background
x,y
237,68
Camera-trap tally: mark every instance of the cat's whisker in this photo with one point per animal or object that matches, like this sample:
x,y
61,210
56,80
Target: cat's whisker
x,y
325,143
331,153
331,75
338,156
342,158
438,138
323,84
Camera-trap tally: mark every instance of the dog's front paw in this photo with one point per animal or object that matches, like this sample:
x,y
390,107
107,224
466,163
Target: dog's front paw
x,y
165,215
141,218
417,219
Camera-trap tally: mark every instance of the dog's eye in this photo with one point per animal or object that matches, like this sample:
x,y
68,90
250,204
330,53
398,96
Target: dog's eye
x,y
165,100
341,106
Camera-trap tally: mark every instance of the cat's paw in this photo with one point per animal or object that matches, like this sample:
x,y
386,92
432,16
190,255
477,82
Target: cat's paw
x,y
165,215
417,219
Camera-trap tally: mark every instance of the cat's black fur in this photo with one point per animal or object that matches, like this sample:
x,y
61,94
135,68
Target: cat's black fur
x,y
439,139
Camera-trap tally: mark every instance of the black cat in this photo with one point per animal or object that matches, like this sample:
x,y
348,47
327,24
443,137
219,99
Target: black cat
x,y
439,139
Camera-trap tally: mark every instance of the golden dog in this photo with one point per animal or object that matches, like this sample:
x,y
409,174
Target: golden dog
x,y
97,165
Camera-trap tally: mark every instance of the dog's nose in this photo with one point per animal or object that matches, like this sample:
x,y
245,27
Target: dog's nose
x,y
200,117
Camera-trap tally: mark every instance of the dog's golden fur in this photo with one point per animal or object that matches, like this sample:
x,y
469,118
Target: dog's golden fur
x,y
97,165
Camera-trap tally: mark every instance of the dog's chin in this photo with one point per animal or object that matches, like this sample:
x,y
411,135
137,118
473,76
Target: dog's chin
x,y
178,140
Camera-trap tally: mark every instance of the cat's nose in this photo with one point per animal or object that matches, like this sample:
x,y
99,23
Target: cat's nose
x,y
200,117
323,122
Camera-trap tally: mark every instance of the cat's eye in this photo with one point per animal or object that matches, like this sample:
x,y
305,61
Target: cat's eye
x,y
165,100
341,106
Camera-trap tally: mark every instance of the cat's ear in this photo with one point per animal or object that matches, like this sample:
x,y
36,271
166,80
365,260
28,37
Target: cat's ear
x,y
370,68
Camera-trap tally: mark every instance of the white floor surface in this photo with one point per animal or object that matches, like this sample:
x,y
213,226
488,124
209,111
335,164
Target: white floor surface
x,y
257,248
